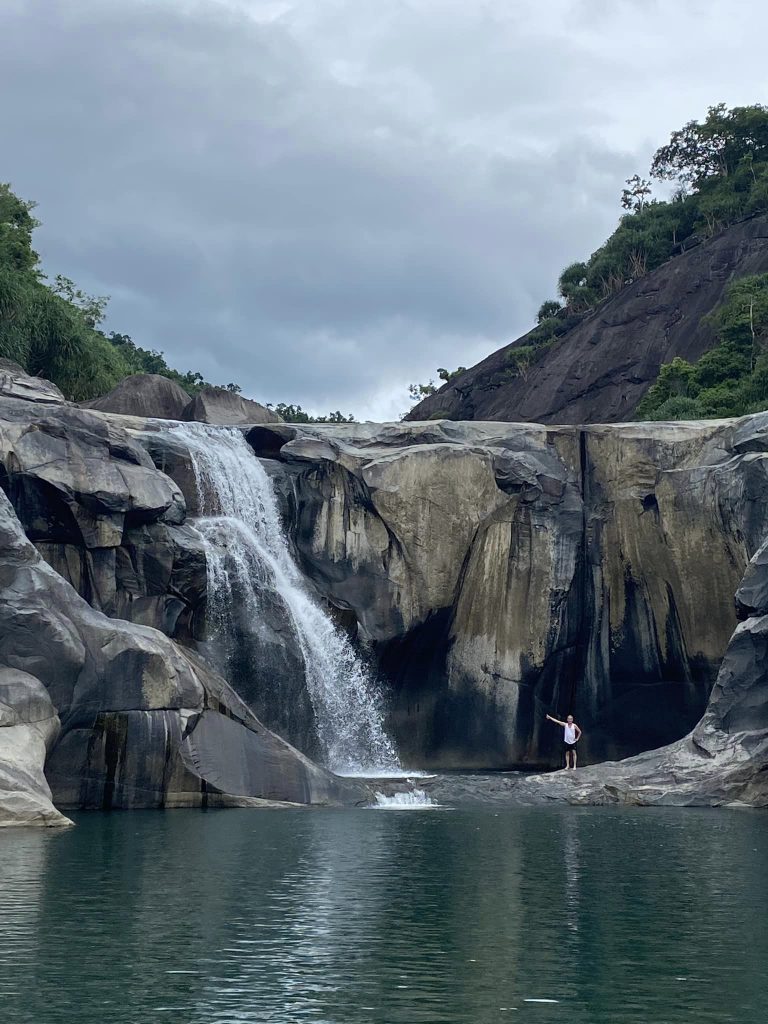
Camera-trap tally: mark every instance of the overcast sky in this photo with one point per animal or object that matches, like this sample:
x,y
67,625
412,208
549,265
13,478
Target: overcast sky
x,y
325,200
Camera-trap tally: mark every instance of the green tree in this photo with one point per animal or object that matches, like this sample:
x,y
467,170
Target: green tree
x,y
547,310
92,307
416,392
449,375
635,195
16,227
573,286
713,147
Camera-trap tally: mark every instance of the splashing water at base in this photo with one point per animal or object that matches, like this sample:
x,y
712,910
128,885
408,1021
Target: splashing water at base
x,y
416,799
247,554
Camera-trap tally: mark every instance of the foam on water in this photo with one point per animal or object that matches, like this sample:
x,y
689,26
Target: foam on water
x,y
414,800
247,553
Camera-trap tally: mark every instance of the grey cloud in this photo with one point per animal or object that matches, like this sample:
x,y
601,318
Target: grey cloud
x,y
324,205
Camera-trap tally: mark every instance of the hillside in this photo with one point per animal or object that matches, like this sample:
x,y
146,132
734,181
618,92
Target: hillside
x,y
599,370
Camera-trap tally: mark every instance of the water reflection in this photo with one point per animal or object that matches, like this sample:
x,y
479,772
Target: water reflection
x,y
591,916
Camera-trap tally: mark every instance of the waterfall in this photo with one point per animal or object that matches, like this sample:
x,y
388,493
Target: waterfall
x,y
249,561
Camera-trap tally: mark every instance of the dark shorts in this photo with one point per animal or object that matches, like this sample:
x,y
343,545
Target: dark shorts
x,y
569,746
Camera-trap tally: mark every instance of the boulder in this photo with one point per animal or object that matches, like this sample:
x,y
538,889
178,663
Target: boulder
x,y
226,408
15,382
102,515
29,727
74,476
144,394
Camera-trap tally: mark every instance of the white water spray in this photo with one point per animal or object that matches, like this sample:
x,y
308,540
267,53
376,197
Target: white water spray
x,y
247,554
412,801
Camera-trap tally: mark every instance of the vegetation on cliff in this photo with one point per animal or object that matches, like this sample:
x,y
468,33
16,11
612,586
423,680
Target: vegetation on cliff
x,y
729,380
719,171
719,168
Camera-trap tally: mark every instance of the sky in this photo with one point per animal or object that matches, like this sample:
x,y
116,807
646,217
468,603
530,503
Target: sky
x,y
326,200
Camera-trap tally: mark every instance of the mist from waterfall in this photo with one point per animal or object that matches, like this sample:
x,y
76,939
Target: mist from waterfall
x,y
249,560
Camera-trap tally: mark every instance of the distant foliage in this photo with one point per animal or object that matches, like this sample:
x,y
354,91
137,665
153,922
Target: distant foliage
x,y
720,167
417,392
729,380
53,329
295,414
547,310
49,330
142,360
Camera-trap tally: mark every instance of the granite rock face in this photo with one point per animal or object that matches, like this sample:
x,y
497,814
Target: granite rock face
x,y
501,571
144,394
602,367
91,499
492,571
115,704
722,762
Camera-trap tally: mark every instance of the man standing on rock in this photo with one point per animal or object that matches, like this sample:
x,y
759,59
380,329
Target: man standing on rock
x,y
571,736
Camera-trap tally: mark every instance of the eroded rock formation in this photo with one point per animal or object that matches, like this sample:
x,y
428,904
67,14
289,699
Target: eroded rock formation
x,y
144,722
500,571
29,726
491,571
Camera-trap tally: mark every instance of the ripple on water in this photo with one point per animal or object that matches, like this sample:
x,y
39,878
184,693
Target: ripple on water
x,y
591,916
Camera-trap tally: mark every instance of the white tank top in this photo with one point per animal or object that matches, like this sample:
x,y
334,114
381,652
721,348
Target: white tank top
x,y
570,734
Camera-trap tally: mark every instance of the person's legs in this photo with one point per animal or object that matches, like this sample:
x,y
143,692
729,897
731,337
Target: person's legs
x,y
573,755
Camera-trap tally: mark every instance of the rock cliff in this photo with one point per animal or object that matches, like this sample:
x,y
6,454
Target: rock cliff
x,y
600,369
119,714
490,571
500,571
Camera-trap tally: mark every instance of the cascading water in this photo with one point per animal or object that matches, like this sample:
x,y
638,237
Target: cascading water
x,y
249,562
414,800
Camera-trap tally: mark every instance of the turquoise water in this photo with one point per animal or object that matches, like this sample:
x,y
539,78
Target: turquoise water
x,y
387,917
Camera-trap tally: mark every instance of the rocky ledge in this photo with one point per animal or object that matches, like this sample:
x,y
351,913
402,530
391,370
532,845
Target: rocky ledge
x,y
491,571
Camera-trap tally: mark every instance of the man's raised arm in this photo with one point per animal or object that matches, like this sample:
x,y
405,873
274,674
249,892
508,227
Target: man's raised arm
x,y
555,720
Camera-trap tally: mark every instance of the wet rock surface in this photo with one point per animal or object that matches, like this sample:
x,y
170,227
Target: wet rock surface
x,y
128,700
491,571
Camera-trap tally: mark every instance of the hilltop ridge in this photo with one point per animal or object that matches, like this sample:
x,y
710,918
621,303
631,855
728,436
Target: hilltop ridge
x,y
600,369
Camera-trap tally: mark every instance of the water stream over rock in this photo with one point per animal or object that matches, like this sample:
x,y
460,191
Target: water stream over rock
x,y
253,579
